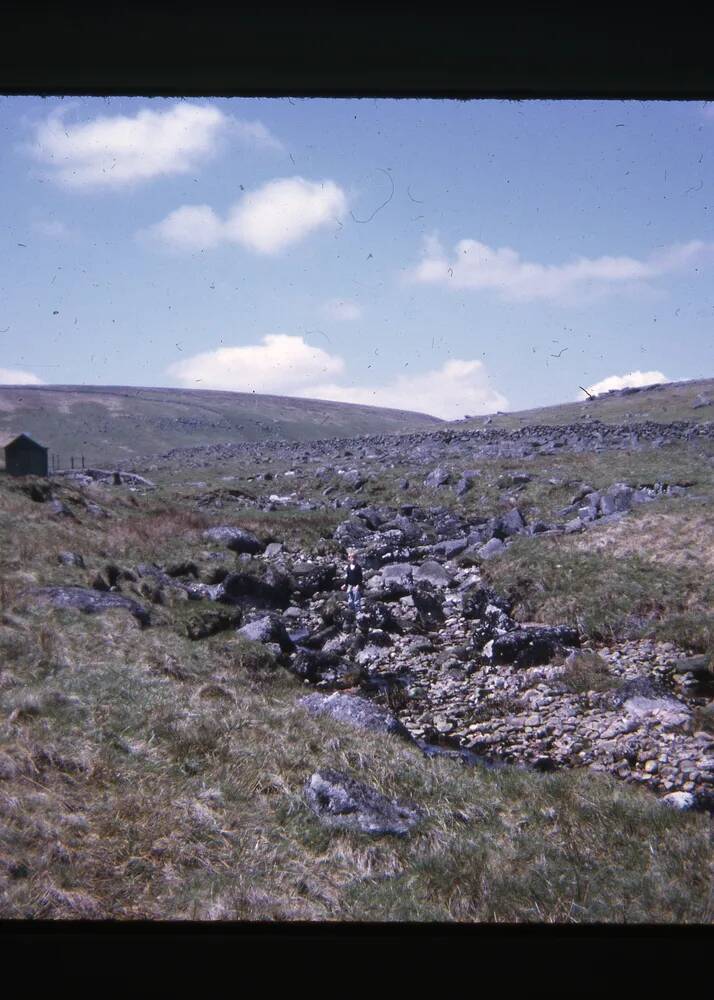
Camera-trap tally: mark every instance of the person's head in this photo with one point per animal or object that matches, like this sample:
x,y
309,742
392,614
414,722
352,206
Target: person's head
x,y
352,554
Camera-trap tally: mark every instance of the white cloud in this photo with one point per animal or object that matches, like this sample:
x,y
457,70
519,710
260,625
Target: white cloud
x,y
255,133
14,376
476,265
342,310
267,220
286,365
458,388
111,151
279,364
191,227
631,379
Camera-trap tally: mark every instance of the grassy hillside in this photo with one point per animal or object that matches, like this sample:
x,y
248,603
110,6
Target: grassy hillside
x,y
145,775
107,423
660,403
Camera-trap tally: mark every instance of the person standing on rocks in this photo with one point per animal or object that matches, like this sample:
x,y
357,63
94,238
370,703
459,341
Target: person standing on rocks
x,y
353,584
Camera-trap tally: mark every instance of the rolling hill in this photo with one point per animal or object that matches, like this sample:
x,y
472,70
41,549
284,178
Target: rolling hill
x,y
665,403
109,423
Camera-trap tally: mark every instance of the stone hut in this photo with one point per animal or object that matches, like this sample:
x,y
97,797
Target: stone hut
x,y
24,456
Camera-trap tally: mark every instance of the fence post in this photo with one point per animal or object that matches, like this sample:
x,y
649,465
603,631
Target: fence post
x,y
71,461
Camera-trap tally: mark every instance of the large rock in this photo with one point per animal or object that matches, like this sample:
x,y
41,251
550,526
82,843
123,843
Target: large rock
x,y
433,573
476,599
429,608
91,601
236,539
351,532
358,713
492,548
616,499
511,523
270,591
437,477
667,712
311,579
267,630
397,577
354,479
341,802
325,669
533,646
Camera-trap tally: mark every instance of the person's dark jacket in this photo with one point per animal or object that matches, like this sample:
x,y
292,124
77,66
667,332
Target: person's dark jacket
x,y
354,575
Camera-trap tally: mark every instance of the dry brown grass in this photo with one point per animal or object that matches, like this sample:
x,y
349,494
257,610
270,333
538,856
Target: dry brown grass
x,y
143,775
683,538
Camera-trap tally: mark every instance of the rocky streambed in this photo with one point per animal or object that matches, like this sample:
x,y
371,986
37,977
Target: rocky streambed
x,y
435,648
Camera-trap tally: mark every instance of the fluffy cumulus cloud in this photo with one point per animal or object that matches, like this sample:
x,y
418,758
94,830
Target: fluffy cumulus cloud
x,y
342,310
288,366
631,379
478,266
279,364
266,221
14,376
116,150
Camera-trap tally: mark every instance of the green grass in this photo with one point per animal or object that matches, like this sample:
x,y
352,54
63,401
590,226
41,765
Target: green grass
x,y
663,404
605,596
139,795
144,775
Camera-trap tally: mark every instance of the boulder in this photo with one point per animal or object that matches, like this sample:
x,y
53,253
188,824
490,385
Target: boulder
x,y
476,600
682,801
492,548
396,576
451,548
341,802
351,533
511,523
240,588
325,669
429,609
433,573
267,630
91,601
534,645
313,579
437,477
616,499
236,539
358,713
668,712
574,526
354,479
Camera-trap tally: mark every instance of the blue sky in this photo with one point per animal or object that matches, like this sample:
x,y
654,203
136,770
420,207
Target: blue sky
x,y
444,256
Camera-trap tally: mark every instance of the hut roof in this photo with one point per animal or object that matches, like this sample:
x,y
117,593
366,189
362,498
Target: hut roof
x,y
8,439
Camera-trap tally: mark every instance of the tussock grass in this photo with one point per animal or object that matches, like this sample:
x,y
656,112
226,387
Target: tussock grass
x,y
605,596
143,775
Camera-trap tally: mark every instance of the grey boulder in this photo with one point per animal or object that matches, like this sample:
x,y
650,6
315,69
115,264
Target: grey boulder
x,y
341,802
432,572
91,601
267,630
358,713
236,539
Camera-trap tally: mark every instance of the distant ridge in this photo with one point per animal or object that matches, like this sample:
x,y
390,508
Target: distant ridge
x,y
110,423
663,402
